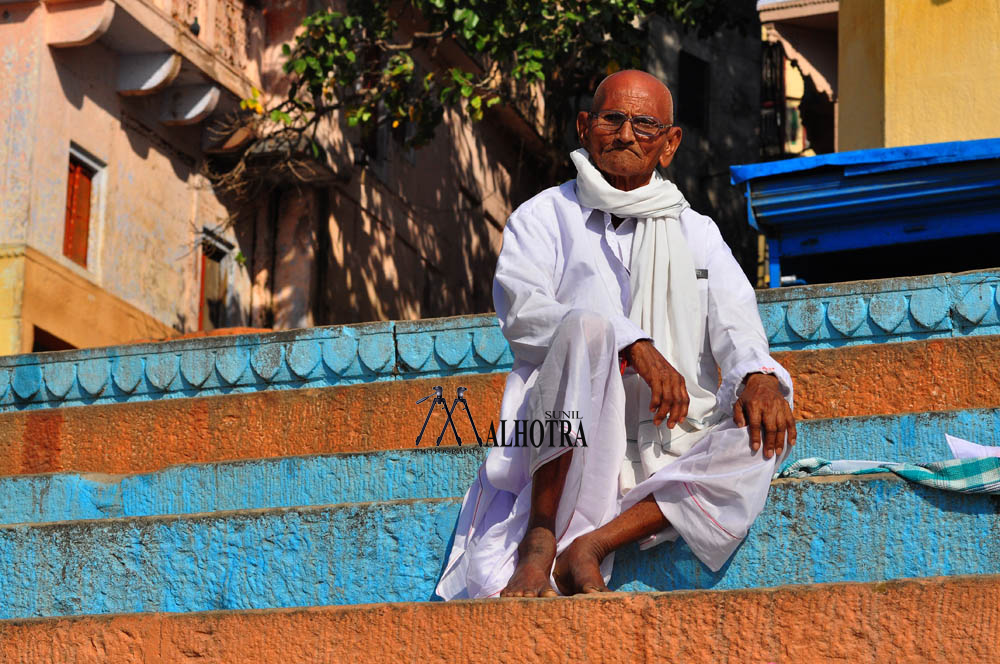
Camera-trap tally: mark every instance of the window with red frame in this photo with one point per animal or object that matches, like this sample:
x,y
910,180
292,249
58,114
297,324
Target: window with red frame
x,y
78,191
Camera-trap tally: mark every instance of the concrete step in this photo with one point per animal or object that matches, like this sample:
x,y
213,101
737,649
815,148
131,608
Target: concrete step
x,y
864,529
937,620
412,474
151,435
803,318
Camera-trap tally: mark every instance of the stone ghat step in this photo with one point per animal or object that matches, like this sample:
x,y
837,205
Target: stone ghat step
x,y
145,436
934,620
412,474
810,317
866,529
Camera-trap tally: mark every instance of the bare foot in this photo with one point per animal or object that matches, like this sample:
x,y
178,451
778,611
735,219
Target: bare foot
x,y
578,568
535,554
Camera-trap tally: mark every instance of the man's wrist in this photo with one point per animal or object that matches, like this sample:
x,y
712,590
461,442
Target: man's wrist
x,y
758,376
625,354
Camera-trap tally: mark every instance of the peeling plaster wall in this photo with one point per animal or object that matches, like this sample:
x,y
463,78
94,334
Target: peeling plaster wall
x,y
150,204
157,204
20,57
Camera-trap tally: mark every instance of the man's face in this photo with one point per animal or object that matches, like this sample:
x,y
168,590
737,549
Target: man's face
x,y
626,158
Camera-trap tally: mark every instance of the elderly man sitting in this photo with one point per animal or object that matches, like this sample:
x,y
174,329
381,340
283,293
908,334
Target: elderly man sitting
x,y
612,270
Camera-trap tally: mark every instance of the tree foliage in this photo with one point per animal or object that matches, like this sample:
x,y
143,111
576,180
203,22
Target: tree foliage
x,y
406,62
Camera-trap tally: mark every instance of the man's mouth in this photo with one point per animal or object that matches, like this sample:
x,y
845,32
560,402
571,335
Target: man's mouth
x,y
622,149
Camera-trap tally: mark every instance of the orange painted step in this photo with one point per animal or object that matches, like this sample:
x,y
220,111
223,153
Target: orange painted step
x,y
147,436
947,620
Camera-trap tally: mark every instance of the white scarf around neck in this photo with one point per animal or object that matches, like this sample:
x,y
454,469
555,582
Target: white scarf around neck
x,y
663,286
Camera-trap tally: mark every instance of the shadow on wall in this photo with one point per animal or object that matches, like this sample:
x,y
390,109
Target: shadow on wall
x,y
412,234
715,82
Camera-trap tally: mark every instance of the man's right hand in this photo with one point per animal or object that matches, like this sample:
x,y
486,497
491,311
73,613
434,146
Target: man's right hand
x,y
670,393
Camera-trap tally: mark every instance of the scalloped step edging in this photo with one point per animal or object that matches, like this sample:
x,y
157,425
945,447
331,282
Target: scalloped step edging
x,y
799,318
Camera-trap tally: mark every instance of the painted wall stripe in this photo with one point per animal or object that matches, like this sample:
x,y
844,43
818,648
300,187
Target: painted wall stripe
x,y
810,532
412,474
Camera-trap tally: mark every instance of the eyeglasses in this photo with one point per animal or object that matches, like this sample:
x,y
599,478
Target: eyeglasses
x,y
612,121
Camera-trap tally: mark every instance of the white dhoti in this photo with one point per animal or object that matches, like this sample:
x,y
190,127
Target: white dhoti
x,y
710,493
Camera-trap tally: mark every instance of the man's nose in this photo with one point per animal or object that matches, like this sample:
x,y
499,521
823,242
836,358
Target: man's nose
x,y
625,134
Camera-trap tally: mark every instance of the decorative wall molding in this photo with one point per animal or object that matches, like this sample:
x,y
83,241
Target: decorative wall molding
x,y
13,250
881,311
70,25
801,318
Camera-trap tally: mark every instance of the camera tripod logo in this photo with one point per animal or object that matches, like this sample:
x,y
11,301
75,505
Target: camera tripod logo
x,y
439,399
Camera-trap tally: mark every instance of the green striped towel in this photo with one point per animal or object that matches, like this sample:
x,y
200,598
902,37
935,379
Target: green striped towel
x,y
972,475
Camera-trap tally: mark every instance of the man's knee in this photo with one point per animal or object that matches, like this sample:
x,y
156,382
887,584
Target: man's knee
x,y
596,330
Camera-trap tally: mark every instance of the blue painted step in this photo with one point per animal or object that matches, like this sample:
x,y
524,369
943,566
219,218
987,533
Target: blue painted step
x,y
856,529
417,473
808,317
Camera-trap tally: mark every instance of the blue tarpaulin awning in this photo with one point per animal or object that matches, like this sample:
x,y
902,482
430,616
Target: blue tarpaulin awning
x,y
857,162
869,198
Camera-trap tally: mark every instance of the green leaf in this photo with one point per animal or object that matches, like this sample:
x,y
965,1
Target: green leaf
x,y
562,44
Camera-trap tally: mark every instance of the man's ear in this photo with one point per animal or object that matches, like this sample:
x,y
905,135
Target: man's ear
x,y
582,127
674,135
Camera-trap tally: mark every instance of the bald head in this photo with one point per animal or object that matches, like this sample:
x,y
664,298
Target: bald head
x,y
636,84
625,157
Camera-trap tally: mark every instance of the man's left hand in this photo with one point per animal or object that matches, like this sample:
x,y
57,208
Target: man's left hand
x,y
763,407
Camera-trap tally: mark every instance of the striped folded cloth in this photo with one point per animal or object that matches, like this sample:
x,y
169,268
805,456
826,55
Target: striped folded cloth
x,y
969,475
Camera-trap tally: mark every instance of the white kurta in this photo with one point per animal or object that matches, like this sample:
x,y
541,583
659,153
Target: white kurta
x,y
562,286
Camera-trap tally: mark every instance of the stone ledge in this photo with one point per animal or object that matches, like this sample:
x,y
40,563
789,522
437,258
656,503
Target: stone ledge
x,y
405,474
802,318
936,620
142,436
870,529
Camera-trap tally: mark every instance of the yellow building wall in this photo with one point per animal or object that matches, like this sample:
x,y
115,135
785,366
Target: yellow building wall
x,y
942,71
913,72
11,298
861,74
